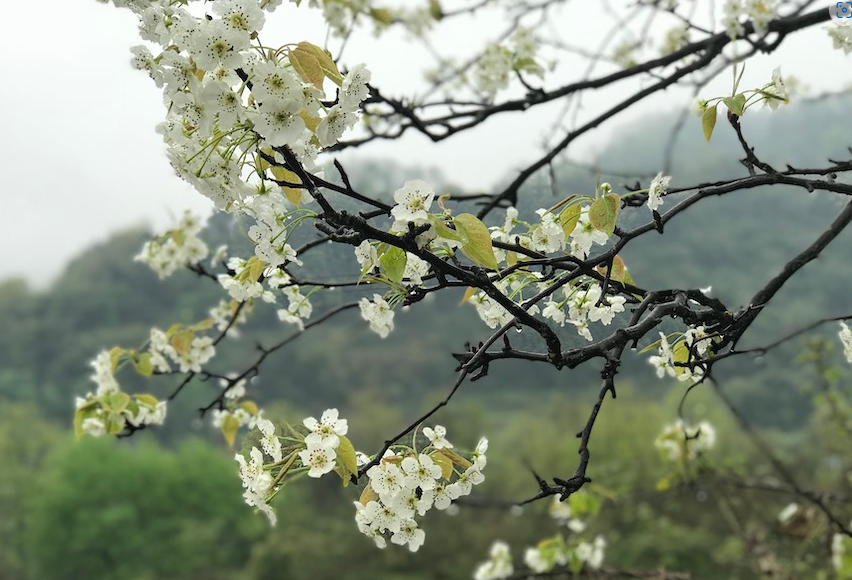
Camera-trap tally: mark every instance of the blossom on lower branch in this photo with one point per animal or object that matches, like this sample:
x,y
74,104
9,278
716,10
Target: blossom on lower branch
x,y
407,483
404,484
845,335
680,442
498,565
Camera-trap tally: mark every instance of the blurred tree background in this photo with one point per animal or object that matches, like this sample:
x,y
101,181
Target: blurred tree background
x,y
166,504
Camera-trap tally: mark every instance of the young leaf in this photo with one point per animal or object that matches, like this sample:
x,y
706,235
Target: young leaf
x,y
569,217
708,121
310,54
346,455
618,273
147,400
680,354
255,269
79,415
468,293
116,402
445,463
382,15
143,364
736,104
181,341
393,263
230,426
455,458
368,495
604,212
445,232
477,245
306,65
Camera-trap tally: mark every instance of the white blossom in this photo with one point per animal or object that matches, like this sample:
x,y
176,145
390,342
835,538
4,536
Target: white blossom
x,y
845,335
437,437
841,37
499,564
319,458
327,431
378,313
656,190
413,201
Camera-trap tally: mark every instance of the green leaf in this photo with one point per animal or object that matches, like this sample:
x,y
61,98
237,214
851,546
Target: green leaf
x,y
147,400
250,407
313,63
444,462
307,66
368,495
143,364
79,415
346,456
255,268
435,9
382,15
569,218
445,232
708,121
584,504
182,340
115,355
663,484
393,263
680,354
736,104
529,65
230,426
618,272
455,458
205,324
470,291
575,564
115,402
477,240
604,212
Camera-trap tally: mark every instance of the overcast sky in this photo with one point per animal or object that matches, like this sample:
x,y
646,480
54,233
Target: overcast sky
x,y
80,158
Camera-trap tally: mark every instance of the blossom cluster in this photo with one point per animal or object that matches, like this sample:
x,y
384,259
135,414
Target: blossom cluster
x,y
378,313
680,442
585,305
557,551
571,231
572,228
176,248
314,452
759,12
498,565
841,37
236,110
407,483
684,360
189,350
235,412
497,63
109,410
